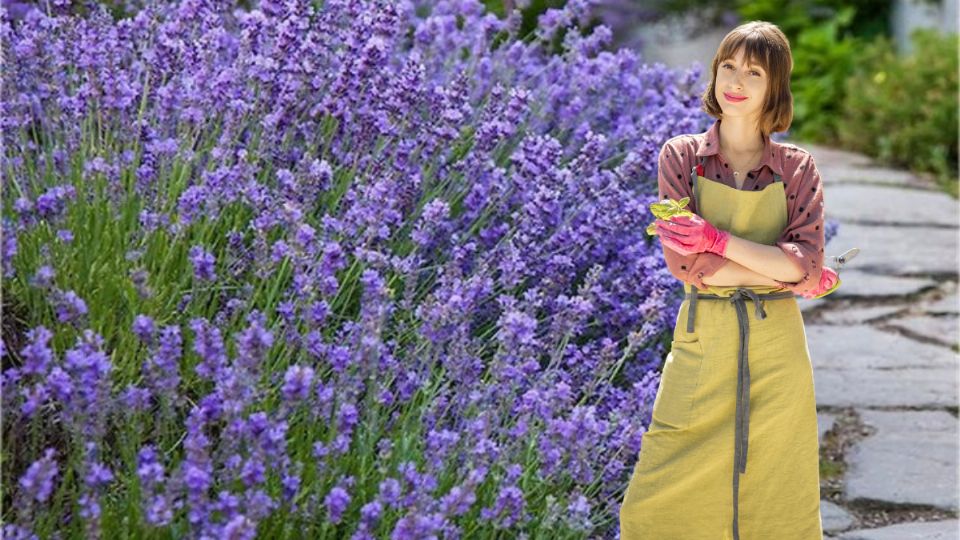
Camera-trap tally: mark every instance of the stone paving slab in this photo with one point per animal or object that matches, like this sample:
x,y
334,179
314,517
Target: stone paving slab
x,y
890,205
866,285
838,166
832,158
910,459
825,421
857,315
943,329
933,530
907,231
863,348
841,174
914,387
898,250
948,303
862,366
856,283
834,517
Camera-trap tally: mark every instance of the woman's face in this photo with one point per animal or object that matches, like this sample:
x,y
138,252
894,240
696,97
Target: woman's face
x,y
736,79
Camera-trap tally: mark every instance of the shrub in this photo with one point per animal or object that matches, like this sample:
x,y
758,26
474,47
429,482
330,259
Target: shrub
x,y
903,109
343,271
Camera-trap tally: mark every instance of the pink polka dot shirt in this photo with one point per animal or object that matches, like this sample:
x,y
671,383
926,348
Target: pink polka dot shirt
x,y
803,237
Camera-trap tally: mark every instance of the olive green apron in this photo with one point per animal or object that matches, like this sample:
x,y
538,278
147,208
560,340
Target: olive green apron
x,y
674,492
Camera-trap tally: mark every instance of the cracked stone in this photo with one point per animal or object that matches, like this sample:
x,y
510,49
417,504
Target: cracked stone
x,y
861,348
857,366
948,301
911,387
942,329
838,166
891,250
866,284
857,315
931,530
831,158
834,517
911,458
825,421
872,177
891,205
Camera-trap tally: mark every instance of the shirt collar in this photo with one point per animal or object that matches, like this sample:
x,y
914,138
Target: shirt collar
x,y
710,145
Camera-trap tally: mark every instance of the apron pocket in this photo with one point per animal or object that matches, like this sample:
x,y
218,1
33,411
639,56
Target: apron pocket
x,y
678,384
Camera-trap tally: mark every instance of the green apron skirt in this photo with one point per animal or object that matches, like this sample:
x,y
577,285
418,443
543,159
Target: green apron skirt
x,y
736,384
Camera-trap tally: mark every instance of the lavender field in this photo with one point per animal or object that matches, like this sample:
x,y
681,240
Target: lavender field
x,y
341,269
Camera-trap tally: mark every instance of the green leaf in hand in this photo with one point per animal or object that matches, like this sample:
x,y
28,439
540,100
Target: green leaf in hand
x,y
666,209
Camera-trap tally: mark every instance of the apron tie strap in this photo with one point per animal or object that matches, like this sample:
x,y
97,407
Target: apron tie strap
x,y
758,311
691,312
742,420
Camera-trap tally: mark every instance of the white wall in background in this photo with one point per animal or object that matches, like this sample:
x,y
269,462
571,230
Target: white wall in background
x,y
909,14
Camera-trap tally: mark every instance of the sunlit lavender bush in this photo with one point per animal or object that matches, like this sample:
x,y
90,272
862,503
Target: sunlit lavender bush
x,y
350,269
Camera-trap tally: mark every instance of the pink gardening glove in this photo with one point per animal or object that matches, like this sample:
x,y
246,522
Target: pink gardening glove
x,y
828,278
692,234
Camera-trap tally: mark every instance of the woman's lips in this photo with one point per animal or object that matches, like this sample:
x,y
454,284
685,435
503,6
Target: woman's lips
x,y
733,98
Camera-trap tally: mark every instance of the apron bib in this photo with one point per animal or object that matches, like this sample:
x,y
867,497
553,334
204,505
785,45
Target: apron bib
x,y
703,410
759,216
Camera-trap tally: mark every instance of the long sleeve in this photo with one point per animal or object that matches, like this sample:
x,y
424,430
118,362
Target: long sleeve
x,y
673,181
803,237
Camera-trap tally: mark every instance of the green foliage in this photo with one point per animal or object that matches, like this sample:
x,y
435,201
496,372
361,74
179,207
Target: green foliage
x,y
825,37
667,209
850,87
822,62
903,109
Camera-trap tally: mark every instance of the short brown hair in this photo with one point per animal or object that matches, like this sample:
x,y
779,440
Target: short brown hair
x,y
764,44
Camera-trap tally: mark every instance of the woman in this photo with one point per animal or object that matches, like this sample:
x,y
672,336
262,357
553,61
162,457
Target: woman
x,y
737,382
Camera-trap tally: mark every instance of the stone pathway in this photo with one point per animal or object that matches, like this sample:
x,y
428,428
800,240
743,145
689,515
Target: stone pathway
x,y
884,348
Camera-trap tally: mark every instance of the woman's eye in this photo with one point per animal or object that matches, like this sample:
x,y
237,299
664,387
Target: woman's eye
x,y
751,71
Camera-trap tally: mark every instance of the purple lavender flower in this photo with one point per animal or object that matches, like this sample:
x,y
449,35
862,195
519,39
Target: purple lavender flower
x,y
254,342
162,368
135,399
240,527
51,204
209,346
89,369
44,277
297,383
203,264
390,490
37,355
149,468
416,119
507,509
159,511
10,247
144,329
69,306
33,398
291,486
13,531
336,503
37,482
253,472
260,504
61,386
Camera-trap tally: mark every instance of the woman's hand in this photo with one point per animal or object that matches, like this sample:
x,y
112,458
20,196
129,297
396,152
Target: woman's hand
x,y
692,234
828,278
